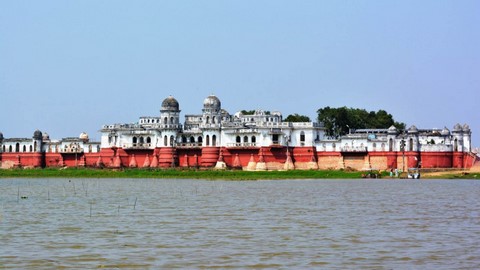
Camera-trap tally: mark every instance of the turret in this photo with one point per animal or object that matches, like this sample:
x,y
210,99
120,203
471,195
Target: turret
x,y
412,142
1,142
170,112
457,138
392,134
211,120
467,138
37,141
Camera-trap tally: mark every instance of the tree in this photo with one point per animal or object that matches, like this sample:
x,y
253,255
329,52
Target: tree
x,y
297,118
245,112
252,112
339,121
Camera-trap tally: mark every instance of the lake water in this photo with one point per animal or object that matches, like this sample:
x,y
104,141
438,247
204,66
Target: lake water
x,y
284,224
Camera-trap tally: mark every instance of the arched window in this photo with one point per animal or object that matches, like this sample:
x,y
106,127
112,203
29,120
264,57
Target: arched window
x,y
165,120
134,140
410,145
171,120
141,140
374,146
208,119
35,146
184,139
390,145
245,139
149,140
334,145
165,142
455,145
254,139
4,148
90,148
10,148
24,149
192,139
17,147
207,140
302,138
214,140
98,148
238,140
172,140
214,119
31,148
200,140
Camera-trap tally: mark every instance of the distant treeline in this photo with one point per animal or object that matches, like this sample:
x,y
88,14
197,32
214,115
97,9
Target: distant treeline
x,y
339,121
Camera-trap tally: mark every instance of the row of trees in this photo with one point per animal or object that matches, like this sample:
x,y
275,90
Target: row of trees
x,y
339,121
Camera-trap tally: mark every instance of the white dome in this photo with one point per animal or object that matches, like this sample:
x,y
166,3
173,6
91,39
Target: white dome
x,y
212,103
445,131
170,104
83,136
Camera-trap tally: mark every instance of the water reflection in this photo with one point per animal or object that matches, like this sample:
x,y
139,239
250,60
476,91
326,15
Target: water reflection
x,y
151,223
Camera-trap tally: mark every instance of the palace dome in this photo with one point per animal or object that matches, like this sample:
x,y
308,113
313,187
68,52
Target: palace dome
x,y
392,130
445,131
37,135
170,104
457,127
212,103
83,136
413,129
45,136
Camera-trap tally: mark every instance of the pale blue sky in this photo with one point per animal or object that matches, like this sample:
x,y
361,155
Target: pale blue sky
x,y
72,66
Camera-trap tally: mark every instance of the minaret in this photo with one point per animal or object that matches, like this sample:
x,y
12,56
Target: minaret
x,y
170,122
467,139
457,133
37,148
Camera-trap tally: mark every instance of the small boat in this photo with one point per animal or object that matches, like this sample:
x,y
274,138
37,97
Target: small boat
x,y
413,173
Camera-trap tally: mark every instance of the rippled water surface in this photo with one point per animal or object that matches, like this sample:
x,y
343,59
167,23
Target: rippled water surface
x,y
152,223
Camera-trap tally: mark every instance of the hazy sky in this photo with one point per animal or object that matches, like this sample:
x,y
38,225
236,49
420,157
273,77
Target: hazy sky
x,y
72,66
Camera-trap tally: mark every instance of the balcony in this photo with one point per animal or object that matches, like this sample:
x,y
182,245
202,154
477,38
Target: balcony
x,y
137,146
71,150
355,149
189,145
241,145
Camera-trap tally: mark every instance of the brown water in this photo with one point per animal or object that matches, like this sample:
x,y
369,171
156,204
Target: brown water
x,y
151,224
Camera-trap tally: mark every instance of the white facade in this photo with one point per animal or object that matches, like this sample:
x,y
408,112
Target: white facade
x,y
216,127
213,127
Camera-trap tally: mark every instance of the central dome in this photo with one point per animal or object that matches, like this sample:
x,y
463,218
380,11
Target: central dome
x,y
170,104
212,103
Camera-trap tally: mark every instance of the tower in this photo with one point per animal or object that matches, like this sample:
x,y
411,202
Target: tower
x,y
457,138
467,139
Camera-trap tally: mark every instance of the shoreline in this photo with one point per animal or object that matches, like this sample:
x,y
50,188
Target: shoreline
x,y
209,174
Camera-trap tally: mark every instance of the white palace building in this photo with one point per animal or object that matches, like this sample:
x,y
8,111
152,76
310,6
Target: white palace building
x,y
258,141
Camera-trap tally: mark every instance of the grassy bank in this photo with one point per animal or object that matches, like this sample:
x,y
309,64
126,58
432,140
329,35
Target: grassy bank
x,y
212,174
177,174
451,175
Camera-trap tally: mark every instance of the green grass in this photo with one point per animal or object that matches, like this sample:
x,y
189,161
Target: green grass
x,y
457,175
177,174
